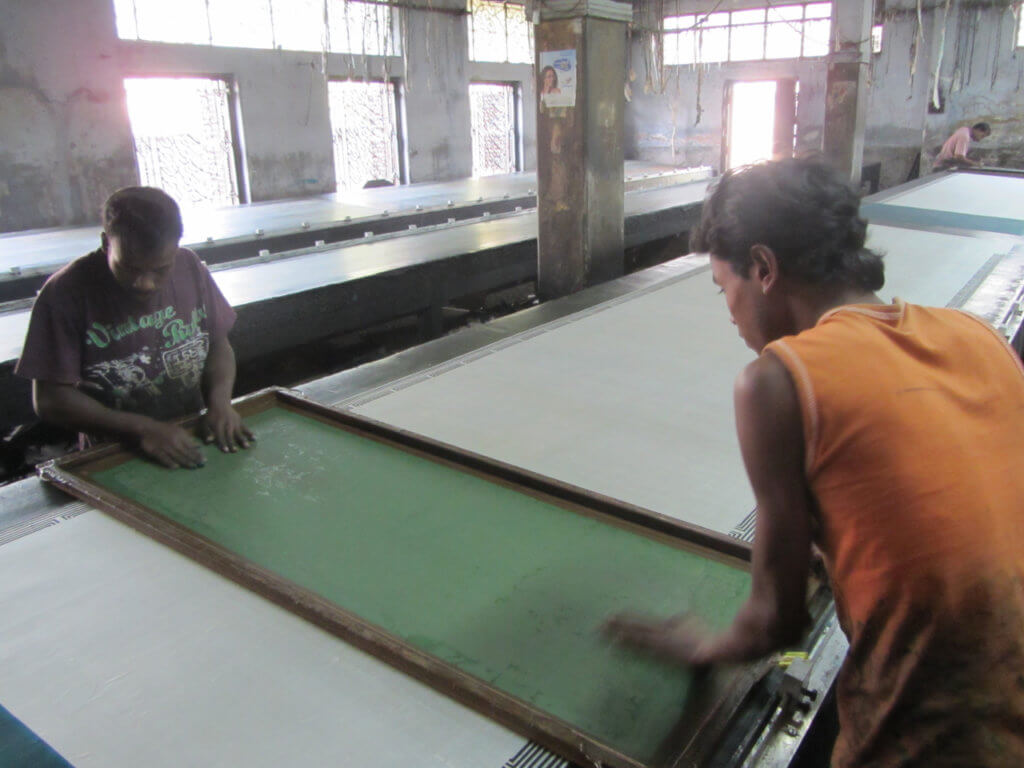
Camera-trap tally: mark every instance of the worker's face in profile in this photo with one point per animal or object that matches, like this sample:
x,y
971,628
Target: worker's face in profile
x,y
745,301
141,272
977,135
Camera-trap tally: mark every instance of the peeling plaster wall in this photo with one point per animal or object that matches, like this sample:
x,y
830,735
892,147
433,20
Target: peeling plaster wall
x,y
897,101
981,78
437,94
683,124
65,138
64,135
680,121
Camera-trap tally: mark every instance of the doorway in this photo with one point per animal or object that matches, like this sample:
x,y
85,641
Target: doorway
x,y
760,121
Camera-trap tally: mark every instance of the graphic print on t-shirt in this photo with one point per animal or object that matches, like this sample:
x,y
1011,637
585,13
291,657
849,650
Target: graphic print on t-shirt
x,y
125,375
149,377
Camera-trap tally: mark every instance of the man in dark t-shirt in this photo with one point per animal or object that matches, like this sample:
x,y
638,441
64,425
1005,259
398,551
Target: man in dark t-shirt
x,y
133,335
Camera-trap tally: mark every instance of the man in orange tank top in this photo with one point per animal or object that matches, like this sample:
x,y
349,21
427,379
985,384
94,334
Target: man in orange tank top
x,y
890,436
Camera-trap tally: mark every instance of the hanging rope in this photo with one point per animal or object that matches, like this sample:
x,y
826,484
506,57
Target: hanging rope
x,y
918,40
936,96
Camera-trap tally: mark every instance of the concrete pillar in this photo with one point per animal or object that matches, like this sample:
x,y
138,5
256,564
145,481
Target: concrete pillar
x,y
579,143
846,99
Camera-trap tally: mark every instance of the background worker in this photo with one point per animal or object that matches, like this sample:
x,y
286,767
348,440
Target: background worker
x,y
954,152
133,335
889,435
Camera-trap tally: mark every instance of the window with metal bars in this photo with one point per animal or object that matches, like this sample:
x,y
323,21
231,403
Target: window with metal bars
x,y
499,31
495,128
778,32
183,135
364,124
338,26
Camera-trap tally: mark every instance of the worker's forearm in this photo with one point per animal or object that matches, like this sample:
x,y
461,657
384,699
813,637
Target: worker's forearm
x,y
755,632
219,374
67,407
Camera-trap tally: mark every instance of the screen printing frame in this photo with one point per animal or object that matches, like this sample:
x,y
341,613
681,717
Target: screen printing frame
x,y
691,742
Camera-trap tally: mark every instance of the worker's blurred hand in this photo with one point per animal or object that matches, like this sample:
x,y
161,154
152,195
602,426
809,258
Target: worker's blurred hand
x,y
170,445
682,638
222,425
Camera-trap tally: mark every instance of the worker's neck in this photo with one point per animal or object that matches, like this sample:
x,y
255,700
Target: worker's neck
x,y
808,304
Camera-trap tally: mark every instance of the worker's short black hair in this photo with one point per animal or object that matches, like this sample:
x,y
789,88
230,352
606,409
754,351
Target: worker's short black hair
x,y
804,210
147,217
983,127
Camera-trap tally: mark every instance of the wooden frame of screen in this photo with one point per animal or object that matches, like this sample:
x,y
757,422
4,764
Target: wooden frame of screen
x,y
692,740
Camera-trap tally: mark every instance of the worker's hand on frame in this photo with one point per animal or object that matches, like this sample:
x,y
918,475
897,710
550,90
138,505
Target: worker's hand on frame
x,y
170,445
222,426
682,638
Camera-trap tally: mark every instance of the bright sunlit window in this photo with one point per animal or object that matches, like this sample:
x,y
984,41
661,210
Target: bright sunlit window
x,y
499,31
183,138
492,110
876,38
367,28
779,32
1020,26
364,124
291,25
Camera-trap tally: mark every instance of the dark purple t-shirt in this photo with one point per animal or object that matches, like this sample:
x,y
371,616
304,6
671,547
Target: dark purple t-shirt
x,y
141,356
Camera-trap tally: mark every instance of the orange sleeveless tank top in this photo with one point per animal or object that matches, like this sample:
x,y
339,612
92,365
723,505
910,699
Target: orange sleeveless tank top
x,y
913,423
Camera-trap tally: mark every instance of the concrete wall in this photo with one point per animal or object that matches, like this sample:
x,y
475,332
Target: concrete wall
x,y
65,138
897,102
981,77
682,124
65,141
980,74
678,120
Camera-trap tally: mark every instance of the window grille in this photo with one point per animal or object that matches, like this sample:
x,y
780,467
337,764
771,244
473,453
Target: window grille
x,y
499,31
183,144
294,25
364,125
779,32
493,115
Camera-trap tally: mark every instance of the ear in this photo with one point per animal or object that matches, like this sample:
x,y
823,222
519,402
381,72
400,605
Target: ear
x,y
765,267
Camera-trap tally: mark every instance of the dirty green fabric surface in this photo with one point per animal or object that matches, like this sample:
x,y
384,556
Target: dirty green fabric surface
x,y
504,586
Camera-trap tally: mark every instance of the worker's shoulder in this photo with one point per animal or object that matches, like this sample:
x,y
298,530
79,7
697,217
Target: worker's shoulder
x,y
766,380
77,276
187,262
957,320
189,256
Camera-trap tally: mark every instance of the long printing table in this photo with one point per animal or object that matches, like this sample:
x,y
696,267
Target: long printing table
x,y
983,200
245,231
